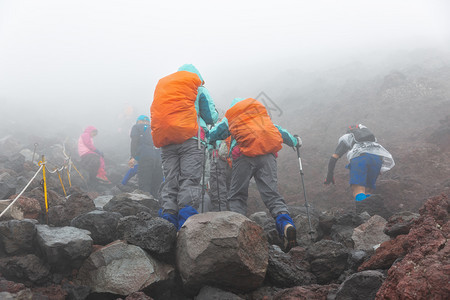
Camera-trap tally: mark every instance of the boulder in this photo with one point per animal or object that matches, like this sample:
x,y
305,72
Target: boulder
x,y
122,269
129,204
222,249
76,204
64,248
288,269
360,286
18,236
6,190
101,224
27,268
23,208
101,201
156,235
328,260
370,234
400,223
304,235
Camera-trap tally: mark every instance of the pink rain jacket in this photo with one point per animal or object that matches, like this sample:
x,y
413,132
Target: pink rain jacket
x,y
85,142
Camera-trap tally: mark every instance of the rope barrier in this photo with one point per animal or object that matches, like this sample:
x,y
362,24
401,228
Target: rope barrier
x,y
43,166
20,194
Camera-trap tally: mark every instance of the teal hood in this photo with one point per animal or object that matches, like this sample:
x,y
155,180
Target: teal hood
x,y
236,100
192,69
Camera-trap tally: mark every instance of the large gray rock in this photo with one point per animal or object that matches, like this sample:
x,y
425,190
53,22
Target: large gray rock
x,y
288,269
101,224
129,204
122,269
6,190
156,235
222,249
369,234
360,286
76,204
64,248
18,236
305,235
328,260
101,201
28,268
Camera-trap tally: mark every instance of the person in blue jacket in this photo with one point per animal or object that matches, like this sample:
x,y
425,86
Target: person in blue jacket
x,y
143,152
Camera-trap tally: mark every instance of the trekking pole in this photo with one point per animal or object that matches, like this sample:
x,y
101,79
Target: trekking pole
x,y
203,178
216,160
299,144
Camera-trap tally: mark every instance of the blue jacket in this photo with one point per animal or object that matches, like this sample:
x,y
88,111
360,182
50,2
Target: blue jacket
x,y
142,147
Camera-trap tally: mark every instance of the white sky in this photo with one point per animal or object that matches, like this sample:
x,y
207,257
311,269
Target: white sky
x,y
99,52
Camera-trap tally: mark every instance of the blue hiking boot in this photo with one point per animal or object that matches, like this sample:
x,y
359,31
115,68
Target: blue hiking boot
x,y
287,231
184,214
171,217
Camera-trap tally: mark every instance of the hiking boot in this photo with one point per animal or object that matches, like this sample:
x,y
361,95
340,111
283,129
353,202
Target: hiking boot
x,y
290,237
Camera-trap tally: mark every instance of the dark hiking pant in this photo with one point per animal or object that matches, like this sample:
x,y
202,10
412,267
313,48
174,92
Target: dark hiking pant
x,y
150,176
264,169
218,190
182,168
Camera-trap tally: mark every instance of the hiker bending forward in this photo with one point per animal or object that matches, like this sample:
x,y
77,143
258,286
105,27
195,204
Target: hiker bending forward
x,y
180,112
367,159
254,146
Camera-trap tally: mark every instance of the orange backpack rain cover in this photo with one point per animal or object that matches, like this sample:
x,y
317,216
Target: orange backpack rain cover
x,y
251,127
173,113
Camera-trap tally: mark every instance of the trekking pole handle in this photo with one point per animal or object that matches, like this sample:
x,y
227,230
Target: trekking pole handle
x,y
299,141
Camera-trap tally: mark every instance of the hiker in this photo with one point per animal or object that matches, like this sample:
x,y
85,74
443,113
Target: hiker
x,y
144,153
366,159
91,158
254,146
220,176
181,110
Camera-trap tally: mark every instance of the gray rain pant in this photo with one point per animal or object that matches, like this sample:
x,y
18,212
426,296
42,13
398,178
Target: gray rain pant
x,y
182,167
218,184
264,169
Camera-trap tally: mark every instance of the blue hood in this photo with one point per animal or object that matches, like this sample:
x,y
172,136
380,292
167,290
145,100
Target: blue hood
x,y
192,69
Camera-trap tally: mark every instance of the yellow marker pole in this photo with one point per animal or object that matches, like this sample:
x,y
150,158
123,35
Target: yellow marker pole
x,y
78,172
62,185
45,185
68,177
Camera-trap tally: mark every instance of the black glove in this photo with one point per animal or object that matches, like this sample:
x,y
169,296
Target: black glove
x,y
330,175
330,179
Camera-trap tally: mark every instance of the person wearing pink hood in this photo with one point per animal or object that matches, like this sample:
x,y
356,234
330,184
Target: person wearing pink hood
x,y
92,158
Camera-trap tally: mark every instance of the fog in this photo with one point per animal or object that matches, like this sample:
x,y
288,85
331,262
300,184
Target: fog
x,y
68,64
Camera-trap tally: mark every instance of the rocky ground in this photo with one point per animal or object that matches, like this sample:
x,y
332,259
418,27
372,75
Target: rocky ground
x,y
108,243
